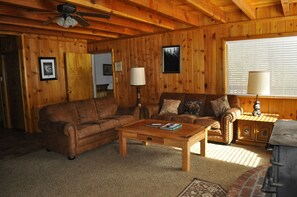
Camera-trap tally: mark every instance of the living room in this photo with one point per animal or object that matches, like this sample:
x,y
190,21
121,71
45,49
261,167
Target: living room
x,y
203,68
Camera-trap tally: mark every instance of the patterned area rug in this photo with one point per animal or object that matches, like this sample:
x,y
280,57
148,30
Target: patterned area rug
x,y
200,188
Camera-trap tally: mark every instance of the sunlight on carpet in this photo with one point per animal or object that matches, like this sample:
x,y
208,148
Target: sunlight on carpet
x,y
238,155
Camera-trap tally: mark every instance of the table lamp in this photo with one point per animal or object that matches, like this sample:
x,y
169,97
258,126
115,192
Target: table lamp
x,y
259,84
137,79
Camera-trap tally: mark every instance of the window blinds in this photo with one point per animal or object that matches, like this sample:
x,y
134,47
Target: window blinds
x,y
276,55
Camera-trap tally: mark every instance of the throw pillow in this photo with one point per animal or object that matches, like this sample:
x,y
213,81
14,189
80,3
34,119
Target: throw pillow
x,y
192,107
220,105
170,106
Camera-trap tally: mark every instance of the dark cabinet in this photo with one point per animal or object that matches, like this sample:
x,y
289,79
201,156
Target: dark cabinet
x,y
281,176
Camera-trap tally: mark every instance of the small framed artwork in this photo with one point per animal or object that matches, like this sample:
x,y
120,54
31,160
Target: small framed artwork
x,y
171,59
107,69
48,68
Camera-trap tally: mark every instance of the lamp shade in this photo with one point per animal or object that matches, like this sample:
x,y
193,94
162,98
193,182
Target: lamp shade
x,y
259,83
137,76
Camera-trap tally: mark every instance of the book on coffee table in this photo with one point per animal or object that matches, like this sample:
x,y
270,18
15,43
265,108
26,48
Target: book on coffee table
x,y
171,126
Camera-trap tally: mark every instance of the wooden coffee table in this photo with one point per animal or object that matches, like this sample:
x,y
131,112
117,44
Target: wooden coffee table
x,y
183,138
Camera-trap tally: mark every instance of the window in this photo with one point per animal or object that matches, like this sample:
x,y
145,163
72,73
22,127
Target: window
x,y
276,55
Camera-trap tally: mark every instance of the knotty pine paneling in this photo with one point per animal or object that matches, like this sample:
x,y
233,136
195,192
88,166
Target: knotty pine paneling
x,y
40,93
202,59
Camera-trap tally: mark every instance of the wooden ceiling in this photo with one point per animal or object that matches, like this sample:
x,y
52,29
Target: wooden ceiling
x,y
128,17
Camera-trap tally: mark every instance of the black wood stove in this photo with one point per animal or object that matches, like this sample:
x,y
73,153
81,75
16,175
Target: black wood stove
x,y
281,176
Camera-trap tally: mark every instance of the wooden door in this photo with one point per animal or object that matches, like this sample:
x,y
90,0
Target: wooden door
x,y
79,78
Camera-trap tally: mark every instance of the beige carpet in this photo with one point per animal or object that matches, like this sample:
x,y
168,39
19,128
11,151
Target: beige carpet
x,y
146,171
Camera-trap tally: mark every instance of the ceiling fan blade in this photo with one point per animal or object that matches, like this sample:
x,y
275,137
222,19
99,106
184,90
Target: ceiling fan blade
x,y
99,15
81,21
52,19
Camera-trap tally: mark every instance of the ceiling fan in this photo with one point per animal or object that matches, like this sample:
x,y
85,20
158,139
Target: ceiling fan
x,y
68,16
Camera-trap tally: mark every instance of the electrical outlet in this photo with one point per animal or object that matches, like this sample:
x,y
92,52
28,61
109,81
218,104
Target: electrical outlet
x,y
118,66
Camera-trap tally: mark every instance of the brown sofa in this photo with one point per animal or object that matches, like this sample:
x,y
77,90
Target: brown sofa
x,y
221,126
72,128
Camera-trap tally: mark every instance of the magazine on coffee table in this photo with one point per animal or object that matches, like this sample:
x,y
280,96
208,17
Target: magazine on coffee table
x,y
171,126
156,125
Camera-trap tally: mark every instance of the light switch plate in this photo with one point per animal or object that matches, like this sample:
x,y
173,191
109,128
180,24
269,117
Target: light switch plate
x,y
118,66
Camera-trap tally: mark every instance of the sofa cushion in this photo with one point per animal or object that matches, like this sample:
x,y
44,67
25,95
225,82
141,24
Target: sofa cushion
x,y
186,118
170,106
87,129
106,106
192,107
197,97
60,112
220,105
208,111
173,96
167,117
124,119
86,110
208,121
107,124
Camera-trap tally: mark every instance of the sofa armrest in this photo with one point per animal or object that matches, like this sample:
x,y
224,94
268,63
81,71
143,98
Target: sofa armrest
x,y
135,111
232,114
61,127
226,122
149,110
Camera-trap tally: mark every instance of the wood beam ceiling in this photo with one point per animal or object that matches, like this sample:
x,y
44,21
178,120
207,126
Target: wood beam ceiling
x,y
123,25
22,29
286,7
120,8
130,17
246,7
17,12
208,8
164,7
35,24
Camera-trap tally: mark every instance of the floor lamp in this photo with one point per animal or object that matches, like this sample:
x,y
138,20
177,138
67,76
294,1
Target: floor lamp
x,y
259,84
137,79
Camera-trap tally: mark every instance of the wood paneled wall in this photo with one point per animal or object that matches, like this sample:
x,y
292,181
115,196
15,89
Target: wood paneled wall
x,y
202,59
39,93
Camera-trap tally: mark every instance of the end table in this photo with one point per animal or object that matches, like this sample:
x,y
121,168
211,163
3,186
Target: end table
x,y
255,130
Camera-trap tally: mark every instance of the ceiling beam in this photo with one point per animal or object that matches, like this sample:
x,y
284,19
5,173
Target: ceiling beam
x,y
20,29
246,7
46,5
125,10
286,7
208,8
164,7
20,12
36,24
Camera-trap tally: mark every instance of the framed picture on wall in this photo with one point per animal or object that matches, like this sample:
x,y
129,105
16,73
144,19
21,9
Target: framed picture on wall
x,y
107,69
171,59
48,68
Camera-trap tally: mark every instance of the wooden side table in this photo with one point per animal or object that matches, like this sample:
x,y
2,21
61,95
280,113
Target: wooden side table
x,y
254,130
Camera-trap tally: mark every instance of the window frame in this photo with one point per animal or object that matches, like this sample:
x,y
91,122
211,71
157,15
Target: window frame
x,y
247,37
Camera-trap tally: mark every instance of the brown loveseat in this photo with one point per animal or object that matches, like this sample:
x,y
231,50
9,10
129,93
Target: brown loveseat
x,y
74,127
221,126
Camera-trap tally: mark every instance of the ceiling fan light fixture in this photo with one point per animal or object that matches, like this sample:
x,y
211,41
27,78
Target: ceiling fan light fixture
x,y
66,21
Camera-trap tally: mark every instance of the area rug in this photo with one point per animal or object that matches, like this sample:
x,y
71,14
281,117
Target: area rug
x,y
200,188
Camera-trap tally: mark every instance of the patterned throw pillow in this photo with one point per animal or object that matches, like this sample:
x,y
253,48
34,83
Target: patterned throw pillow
x,y
170,106
220,105
192,107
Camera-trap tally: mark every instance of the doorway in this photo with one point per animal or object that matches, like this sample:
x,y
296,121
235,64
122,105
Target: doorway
x,y
102,74
11,101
